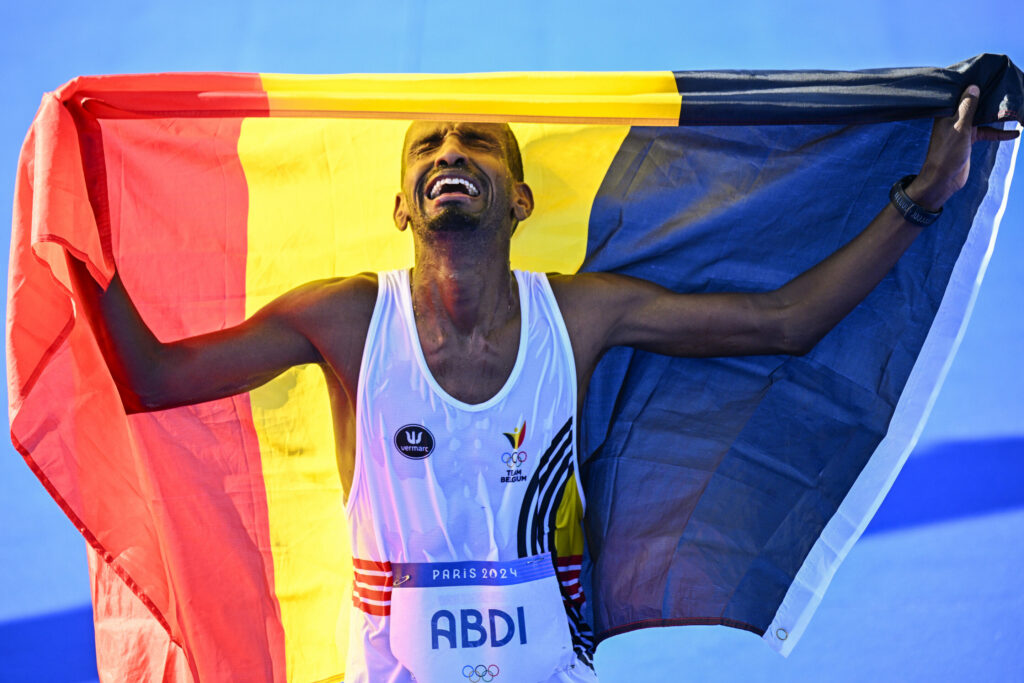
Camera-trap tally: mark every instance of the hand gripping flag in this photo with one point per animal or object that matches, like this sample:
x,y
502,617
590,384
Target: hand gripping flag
x,y
719,491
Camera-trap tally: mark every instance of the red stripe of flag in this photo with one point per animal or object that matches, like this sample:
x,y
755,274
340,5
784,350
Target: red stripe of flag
x,y
215,454
148,504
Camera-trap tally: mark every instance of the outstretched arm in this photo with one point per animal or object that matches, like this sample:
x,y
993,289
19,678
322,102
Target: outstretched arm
x,y
152,375
609,310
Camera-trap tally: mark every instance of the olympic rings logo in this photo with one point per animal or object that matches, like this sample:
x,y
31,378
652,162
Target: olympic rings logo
x,y
480,673
514,459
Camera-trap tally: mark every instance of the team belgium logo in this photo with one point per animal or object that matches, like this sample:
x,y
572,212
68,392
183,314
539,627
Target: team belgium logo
x,y
514,457
414,441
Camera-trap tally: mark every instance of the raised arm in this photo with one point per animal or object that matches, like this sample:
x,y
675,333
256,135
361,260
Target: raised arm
x,y
152,375
608,310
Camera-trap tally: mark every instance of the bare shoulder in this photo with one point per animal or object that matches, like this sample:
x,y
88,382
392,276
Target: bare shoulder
x,y
584,287
592,306
334,314
598,296
340,298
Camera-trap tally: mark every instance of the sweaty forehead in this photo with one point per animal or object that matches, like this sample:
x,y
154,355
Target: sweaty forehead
x,y
422,130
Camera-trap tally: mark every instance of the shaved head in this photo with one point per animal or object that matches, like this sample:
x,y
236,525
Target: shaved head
x,y
513,156
461,175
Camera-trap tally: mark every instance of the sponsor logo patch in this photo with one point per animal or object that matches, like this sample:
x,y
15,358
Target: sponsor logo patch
x,y
414,441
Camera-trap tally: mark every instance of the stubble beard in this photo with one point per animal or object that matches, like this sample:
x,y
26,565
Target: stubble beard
x,y
453,219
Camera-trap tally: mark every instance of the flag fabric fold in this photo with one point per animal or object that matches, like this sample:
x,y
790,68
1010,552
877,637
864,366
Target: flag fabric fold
x,y
719,491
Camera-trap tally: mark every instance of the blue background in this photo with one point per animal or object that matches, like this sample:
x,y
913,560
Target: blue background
x,y
932,590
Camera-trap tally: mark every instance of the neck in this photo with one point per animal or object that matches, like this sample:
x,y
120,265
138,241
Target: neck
x,y
462,284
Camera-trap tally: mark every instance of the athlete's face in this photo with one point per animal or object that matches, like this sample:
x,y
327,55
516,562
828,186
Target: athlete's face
x,y
456,177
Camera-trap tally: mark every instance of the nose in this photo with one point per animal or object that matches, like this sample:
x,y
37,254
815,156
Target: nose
x,y
450,153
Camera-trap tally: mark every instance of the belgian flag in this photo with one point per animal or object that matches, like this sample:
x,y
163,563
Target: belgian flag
x,y
719,491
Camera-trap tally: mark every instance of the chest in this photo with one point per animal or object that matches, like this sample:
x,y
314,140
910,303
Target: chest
x,y
473,369
473,439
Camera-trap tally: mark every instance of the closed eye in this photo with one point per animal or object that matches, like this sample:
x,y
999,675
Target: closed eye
x,y
478,140
427,144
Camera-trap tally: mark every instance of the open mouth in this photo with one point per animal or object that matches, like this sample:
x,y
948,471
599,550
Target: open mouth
x,y
447,184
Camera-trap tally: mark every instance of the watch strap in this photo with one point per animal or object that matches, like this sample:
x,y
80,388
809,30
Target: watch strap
x,y
911,210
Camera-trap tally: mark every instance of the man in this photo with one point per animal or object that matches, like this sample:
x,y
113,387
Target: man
x,y
429,368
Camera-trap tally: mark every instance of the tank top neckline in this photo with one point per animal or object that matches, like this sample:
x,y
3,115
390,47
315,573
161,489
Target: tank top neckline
x,y
405,292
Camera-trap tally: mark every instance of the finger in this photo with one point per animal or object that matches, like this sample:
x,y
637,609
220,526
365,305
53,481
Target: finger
x,y
965,111
985,133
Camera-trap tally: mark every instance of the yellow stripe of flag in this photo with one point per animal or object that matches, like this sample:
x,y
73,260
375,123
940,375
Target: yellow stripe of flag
x,y
321,193
614,98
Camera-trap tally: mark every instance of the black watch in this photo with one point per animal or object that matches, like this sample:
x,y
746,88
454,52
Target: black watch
x,y
911,210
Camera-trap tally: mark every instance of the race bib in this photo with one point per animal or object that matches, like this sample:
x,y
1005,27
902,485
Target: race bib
x,y
479,621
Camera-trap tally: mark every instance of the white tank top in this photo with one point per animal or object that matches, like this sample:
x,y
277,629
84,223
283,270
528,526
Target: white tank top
x,y
438,480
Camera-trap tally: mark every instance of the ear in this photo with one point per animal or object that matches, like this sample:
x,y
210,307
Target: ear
x,y
401,214
522,201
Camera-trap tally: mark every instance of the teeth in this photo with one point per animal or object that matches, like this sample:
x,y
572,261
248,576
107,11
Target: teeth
x,y
435,189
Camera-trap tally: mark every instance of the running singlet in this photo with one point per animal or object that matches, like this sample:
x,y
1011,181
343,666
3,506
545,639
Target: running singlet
x,y
465,517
